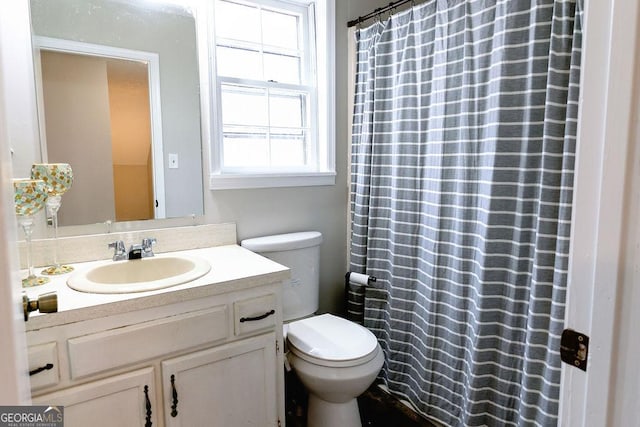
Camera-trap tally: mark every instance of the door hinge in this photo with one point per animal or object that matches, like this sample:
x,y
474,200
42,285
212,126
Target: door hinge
x,y
277,347
279,423
574,348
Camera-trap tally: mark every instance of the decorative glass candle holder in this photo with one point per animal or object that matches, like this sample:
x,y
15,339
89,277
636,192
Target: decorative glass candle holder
x,y
58,178
30,196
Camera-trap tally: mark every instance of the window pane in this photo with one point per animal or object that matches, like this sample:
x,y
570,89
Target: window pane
x,y
279,29
237,21
288,148
282,68
286,110
245,147
240,63
244,106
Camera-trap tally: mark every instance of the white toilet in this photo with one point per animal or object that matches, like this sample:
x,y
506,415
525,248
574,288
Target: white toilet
x,y
336,360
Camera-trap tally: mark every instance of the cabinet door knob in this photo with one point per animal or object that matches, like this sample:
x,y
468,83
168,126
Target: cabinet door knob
x,y
174,395
147,403
253,319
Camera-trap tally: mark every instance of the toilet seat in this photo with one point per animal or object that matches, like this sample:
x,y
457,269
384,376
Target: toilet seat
x,y
332,341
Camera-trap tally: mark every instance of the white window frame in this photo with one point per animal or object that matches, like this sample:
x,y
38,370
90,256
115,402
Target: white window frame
x,y
322,35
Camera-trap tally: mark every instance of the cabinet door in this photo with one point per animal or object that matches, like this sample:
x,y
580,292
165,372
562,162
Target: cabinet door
x,y
116,401
230,385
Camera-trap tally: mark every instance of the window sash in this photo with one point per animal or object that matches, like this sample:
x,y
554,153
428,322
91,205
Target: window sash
x,y
306,55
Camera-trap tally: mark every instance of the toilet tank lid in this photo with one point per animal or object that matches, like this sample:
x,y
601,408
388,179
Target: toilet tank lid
x,y
283,242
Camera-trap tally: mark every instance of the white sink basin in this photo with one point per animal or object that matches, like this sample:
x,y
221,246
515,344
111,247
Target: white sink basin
x,y
139,275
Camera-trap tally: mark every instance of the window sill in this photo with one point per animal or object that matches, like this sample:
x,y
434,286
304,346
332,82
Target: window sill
x,y
231,182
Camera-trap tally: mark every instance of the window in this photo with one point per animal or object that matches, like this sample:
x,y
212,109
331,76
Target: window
x,y
272,123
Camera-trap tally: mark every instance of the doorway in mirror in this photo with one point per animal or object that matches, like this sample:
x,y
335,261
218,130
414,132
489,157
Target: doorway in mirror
x,y
105,101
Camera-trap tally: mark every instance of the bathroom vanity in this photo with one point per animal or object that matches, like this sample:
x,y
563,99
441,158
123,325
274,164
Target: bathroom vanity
x,y
207,352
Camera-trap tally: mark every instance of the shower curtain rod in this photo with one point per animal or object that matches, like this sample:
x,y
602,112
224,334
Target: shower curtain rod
x,y
378,11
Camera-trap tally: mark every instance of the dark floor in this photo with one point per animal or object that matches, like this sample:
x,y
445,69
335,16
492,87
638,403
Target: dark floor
x,y
377,408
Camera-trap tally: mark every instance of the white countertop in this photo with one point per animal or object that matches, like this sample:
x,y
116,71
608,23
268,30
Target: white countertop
x,y
232,268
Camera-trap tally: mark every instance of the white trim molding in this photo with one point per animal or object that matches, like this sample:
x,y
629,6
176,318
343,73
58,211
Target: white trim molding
x,y
323,171
600,200
268,180
17,126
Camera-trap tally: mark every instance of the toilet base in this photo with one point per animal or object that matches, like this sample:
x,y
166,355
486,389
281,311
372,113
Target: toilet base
x,y
321,413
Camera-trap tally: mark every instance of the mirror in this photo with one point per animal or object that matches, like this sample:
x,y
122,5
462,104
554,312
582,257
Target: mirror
x,y
118,98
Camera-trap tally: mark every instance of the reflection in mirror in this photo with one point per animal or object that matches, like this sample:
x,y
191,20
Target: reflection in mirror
x,y
105,100
128,124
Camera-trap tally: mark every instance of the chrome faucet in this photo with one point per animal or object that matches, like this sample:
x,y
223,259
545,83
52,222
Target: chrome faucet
x,y
143,250
120,253
147,246
137,251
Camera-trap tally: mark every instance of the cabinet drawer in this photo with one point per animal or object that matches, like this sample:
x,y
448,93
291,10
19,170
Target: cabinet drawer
x,y
43,365
254,314
124,346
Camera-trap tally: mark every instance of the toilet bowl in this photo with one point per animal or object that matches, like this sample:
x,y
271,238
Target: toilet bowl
x,y
335,359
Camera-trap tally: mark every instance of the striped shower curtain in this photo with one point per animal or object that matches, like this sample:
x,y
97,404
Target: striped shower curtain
x,y
463,152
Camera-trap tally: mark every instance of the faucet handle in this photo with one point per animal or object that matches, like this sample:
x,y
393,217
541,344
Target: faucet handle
x,y
147,246
120,252
147,242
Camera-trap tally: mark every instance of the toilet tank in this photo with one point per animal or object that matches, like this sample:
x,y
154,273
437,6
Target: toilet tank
x,y
301,253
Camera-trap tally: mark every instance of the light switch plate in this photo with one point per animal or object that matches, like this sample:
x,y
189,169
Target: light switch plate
x,y
173,161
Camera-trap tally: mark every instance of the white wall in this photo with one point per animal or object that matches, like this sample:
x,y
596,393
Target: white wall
x,y
269,211
598,297
262,212
359,8
623,407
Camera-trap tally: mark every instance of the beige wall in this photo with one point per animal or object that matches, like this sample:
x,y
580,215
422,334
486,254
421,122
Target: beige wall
x,y
130,139
76,104
133,199
97,115
130,111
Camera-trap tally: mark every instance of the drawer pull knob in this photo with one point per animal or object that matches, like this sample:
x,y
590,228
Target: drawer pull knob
x,y
148,406
174,395
40,369
253,319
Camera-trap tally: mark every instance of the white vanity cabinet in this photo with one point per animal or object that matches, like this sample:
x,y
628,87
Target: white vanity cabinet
x,y
122,400
229,385
211,361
